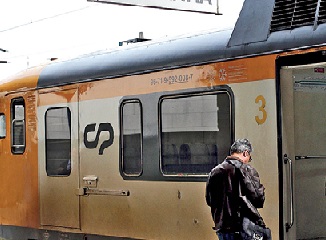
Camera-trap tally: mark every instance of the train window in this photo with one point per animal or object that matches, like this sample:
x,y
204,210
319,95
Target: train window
x,y
58,141
195,133
2,125
18,130
131,116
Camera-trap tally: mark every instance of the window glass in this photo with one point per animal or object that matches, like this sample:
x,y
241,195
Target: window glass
x,y
2,125
58,141
131,138
195,133
18,125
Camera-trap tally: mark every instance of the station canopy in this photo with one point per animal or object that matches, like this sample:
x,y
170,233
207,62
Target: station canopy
x,y
204,6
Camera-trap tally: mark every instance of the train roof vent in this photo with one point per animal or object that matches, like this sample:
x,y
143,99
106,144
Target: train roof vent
x,y
246,29
290,14
322,12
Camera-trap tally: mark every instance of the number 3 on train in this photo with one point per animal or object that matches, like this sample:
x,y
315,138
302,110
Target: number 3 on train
x,y
262,101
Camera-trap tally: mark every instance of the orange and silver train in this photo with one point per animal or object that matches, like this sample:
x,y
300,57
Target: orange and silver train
x,y
118,145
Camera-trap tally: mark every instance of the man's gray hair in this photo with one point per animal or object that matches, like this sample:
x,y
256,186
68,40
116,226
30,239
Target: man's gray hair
x,y
240,146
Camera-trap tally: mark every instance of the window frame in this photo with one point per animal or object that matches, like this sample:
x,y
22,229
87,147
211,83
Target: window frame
x,y
3,120
46,139
189,95
122,160
17,149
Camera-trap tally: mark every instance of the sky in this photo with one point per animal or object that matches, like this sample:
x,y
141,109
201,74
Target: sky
x,y
33,31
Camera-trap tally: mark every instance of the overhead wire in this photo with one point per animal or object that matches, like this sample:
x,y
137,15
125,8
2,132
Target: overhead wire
x,y
43,19
19,56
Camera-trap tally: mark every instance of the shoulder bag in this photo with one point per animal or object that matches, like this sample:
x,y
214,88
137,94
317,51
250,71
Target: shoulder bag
x,y
253,226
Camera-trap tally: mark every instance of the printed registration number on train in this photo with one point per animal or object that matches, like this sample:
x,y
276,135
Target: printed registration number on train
x,y
172,79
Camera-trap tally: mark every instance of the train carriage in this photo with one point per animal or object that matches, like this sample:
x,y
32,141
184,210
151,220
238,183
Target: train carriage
x,y
118,145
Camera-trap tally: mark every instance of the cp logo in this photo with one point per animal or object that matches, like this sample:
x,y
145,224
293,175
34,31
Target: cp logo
x,y
103,127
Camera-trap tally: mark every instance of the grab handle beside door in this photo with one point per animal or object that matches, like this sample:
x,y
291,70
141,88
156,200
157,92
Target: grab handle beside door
x,y
289,224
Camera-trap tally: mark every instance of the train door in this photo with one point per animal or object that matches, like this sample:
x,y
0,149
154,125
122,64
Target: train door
x,y
303,98
59,158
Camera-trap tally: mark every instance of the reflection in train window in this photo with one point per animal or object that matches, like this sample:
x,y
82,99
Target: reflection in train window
x,y
2,125
58,141
195,133
18,130
131,137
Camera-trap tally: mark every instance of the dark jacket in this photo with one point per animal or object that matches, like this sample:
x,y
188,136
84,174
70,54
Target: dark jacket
x,y
222,192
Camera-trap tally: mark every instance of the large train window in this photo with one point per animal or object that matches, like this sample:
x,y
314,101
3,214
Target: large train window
x,y
18,130
195,133
131,121
58,141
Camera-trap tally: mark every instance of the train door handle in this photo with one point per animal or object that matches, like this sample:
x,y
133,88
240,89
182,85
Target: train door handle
x,y
85,191
290,223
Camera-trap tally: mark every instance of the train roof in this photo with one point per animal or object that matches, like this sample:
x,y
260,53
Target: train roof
x,y
260,29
